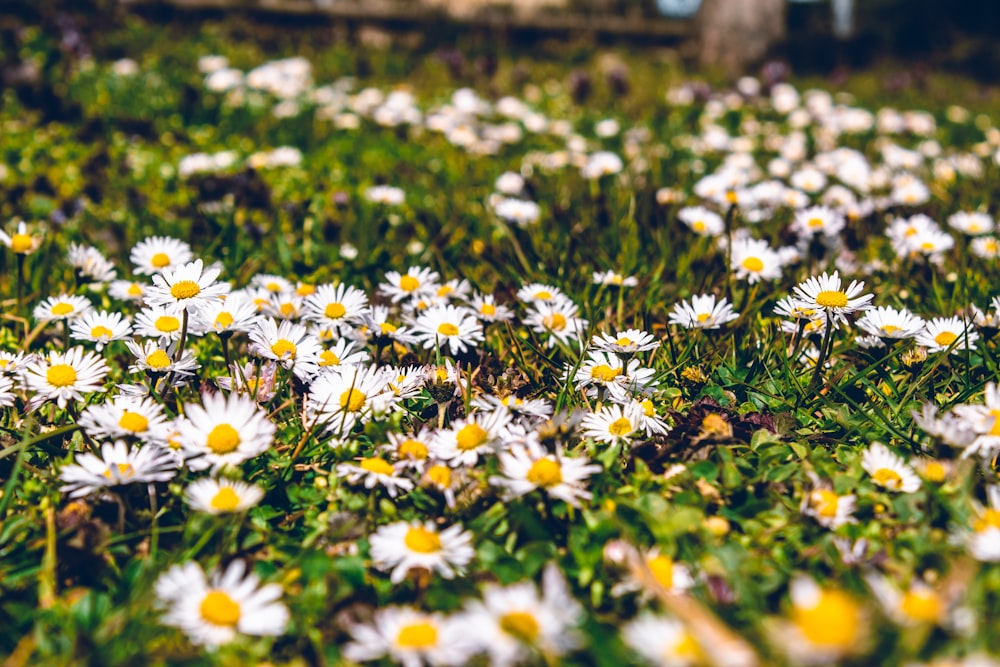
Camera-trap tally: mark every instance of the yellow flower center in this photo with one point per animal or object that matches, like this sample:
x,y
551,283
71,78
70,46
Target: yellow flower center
x,y
471,436
698,226
833,622
935,471
422,541
133,422
620,427
945,338
135,289
445,290
125,470
223,320
995,429
408,283
662,569
704,317
185,289
922,605
624,341
815,223
555,321
219,609
831,299
160,260
62,308
223,439
417,636
167,323
753,264
377,465
226,500
989,519
61,375
888,477
305,289
335,310
826,503
412,449
488,309
283,348
21,243
604,373
440,475
447,329
545,473
889,329
352,400
648,408
328,358
927,246
287,309
387,328
101,332
520,624
687,648
543,295
158,359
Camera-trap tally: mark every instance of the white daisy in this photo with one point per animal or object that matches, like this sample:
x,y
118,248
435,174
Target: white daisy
x,y
448,326
983,541
703,312
90,265
817,220
532,293
478,434
410,638
971,223
416,282
828,508
189,286
984,421
288,343
223,431
520,212
375,471
886,322
824,624
701,220
613,279
116,466
526,467
943,333
222,496
165,323
232,315
612,423
126,417
671,576
889,470
386,195
333,306
557,319
826,293
64,376
625,343
100,327
404,546
127,290
343,396
754,260
156,360
663,641
488,310
7,395
22,241
159,253
62,307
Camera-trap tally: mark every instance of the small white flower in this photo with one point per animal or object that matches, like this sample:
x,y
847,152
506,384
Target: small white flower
x,y
403,546
889,470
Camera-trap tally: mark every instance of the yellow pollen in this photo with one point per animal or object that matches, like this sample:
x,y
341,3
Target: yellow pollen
x,y
448,329
377,465
61,375
328,358
831,299
815,223
408,283
223,320
335,310
990,518
387,328
624,341
921,605
910,231
543,295
287,309
223,439
833,622
704,317
995,429
545,473
935,471
945,338
648,408
417,636
488,309
219,609
226,500
520,624
125,470
605,373
62,308
273,286
412,449
352,400
101,332
441,374
688,649
160,260
158,359
470,436
698,226
662,569
135,289
888,478
555,321
185,289
753,264
445,290
305,289
620,427
284,348
826,503
927,246
440,475
21,244
889,329
167,323
422,541
133,422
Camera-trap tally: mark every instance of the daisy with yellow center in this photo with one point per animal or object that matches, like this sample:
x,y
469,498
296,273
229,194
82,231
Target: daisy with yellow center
x,y
410,638
889,323
918,605
983,541
826,293
222,496
824,624
664,641
417,282
466,440
223,431
625,343
100,327
527,467
22,241
826,507
126,417
403,546
62,307
64,376
116,466
754,260
155,360
703,312
375,471
335,305
488,310
889,470
190,287
670,575
532,293
613,424
947,333
159,253
451,327
216,609
342,396
287,343
702,221
557,320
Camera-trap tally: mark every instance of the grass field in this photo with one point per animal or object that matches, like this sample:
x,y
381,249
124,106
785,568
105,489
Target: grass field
x,y
317,352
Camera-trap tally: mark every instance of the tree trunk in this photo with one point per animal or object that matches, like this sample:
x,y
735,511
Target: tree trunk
x,y
735,34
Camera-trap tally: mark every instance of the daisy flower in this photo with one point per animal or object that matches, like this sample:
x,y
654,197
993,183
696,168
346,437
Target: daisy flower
x,y
601,163
520,212
222,496
161,322
410,638
539,408
272,284
288,343
332,306
156,360
986,247
285,306
984,421
22,241
971,223
703,313
64,376
942,333
453,290
373,472
918,605
126,417
886,322
127,290
232,315
672,576
7,396
406,382
824,624
403,546
216,609
828,508
826,293
386,195
223,431
701,220
116,466
817,220
478,434
90,265
100,327
189,286
625,343
753,260
159,253
375,322
416,282
62,307
450,326
983,542
889,470
614,279
527,467
342,396
514,623
488,310
663,641
341,353
532,293
612,423
409,449
558,320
